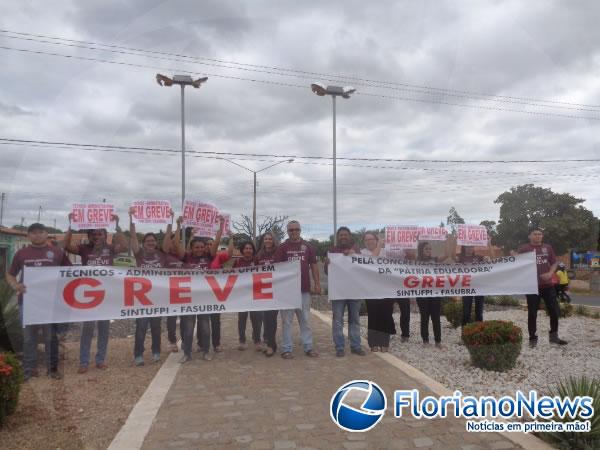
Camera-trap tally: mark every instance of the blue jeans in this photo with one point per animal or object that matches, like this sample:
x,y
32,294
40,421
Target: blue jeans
x,y
338,307
87,332
141,325
287,317
30,339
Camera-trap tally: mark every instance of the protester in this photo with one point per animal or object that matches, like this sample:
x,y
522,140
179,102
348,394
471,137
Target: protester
x,y
248,252
297,249
215,318
172,261
380,322
97,252
266,256
430,307
36,254
198,258
345,246
546,266
148,256
467,256
563,281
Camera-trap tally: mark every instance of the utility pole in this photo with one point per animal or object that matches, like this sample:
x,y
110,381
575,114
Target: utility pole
x,y
2,208
39,213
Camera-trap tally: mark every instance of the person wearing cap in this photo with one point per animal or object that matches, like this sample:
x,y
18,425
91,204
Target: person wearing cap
x,y
546,266
563,280
36,254
96,252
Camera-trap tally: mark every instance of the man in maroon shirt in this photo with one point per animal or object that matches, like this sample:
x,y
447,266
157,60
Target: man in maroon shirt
x,y
97,252
37,254
546,266
297,249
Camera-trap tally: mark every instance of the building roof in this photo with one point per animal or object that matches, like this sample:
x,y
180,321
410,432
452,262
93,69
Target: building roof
x,y
13,232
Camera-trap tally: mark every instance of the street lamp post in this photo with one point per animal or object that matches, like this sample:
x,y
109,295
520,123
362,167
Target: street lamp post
x,y
254,172
333,91
182,81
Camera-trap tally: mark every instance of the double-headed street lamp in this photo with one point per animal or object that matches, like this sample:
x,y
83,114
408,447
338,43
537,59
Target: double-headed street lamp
x,y
333,91
254,172
182,81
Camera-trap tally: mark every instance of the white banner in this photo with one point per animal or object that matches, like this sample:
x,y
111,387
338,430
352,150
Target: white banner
x,y
78,294
152,211
372,277
401,237
472,235
432,234
89,216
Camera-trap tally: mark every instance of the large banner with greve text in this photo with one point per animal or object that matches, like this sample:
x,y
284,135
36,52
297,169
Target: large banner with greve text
x,y
78,294
373,277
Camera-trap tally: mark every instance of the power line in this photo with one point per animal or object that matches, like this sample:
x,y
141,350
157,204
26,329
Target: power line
x,y
283,84
8,141
280,71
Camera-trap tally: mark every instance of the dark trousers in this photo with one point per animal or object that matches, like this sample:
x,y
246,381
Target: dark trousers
x,y
533,304
380,322
189,323
256,318
468,306
404,304
172,329
141,325
270,328
215,331
431,307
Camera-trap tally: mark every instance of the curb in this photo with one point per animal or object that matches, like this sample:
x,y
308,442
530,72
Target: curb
x,y
527,441
133,433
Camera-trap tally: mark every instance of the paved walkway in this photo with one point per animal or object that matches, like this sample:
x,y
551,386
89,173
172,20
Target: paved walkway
x,y
242,399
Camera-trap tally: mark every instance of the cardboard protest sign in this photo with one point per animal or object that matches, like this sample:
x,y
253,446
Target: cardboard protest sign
x,y
472,235
89,216
152,211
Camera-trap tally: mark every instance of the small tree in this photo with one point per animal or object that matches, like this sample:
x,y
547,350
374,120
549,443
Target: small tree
x,y
453,219
274,224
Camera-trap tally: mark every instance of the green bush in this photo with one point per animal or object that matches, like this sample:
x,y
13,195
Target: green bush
x,y
596,315
566,309
493,344
581,310
11,335
573,387
453,311
501,300
11,379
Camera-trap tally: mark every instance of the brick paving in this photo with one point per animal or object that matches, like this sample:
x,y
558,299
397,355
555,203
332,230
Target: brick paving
x,y
241,399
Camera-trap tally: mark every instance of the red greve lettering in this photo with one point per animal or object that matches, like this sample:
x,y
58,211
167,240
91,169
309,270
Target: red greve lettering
x,y
188,212
133,292
221,294
176,290
78,215
96,297
439,281
260,283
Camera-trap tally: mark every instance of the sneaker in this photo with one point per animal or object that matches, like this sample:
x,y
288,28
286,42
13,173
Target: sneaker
x,y
404,339
156,357
269,352
218,349
173,347
101,366
82,369
139,360
440,346
242,346
287,355
340,353
311,353
259,347
554,339
533,341
55,375
425,343
207,356
385,349
375,349
184,359
358,351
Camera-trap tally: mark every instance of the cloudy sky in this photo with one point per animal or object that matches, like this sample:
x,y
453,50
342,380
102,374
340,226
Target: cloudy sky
x,y
459,81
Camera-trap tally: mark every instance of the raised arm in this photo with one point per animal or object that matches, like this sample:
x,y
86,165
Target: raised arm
x,y
135,245
167,245
177,244
69,245
215,245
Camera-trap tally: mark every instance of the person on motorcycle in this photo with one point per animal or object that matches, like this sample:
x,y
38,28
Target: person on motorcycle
x,y
563,280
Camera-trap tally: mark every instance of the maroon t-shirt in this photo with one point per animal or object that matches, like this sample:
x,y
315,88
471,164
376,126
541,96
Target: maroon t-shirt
x,y
96,257
298,251
154,260
173,262
243,262
544,258
31,256
265,258
197,262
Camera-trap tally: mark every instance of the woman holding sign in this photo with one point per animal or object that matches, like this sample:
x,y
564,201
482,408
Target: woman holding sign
x,y
148,256
248,252
430,307
266,256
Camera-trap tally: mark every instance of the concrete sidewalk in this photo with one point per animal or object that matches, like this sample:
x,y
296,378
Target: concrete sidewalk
x,y
242,399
